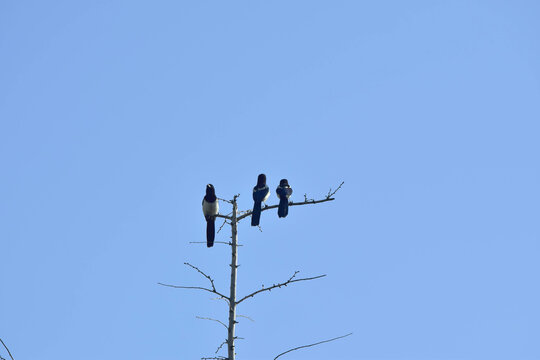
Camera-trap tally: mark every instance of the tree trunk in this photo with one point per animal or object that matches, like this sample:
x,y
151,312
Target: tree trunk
x,y
232,296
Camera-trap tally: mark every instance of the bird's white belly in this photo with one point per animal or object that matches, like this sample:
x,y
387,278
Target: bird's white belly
x,y
210,208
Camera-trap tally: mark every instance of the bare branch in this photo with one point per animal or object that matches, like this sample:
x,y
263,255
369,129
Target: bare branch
x,y
221,227
214,358
9,352
305,346
216,320
330,194
219,298
247,317
293,275
223,216
203,274
220,346
279,285
227,201
196,288
306,201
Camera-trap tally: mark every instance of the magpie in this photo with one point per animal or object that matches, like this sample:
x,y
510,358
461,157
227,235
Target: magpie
x,y
283,192
210,208
261,192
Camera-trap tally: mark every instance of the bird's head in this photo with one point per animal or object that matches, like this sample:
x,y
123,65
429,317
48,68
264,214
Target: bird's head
x,y
261,180
210,191
284,183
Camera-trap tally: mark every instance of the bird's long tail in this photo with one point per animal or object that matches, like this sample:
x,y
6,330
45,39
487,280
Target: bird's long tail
x,y
283,209
256,214
210,231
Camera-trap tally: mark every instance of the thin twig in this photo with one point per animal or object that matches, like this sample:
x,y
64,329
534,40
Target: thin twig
x,y
9,352
203,274
219,298
216,320
247,317
293,275
214,358
227,201
330,194
305,346
220,346
221,227
196,288
279,285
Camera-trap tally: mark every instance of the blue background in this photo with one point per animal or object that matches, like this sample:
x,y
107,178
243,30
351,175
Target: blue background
x,y
114,115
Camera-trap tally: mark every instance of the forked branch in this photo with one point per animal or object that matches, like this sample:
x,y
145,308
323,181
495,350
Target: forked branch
x,y
332,193
203,274
317,343
213,290
290,281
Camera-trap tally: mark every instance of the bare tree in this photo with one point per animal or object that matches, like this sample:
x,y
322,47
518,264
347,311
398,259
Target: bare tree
x,y
233,219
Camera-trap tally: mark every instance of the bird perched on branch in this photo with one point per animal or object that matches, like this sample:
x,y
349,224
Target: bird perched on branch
x,y
261,192
283,192
210,208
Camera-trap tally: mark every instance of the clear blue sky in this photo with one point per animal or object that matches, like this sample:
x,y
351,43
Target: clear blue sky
x,y
114,115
